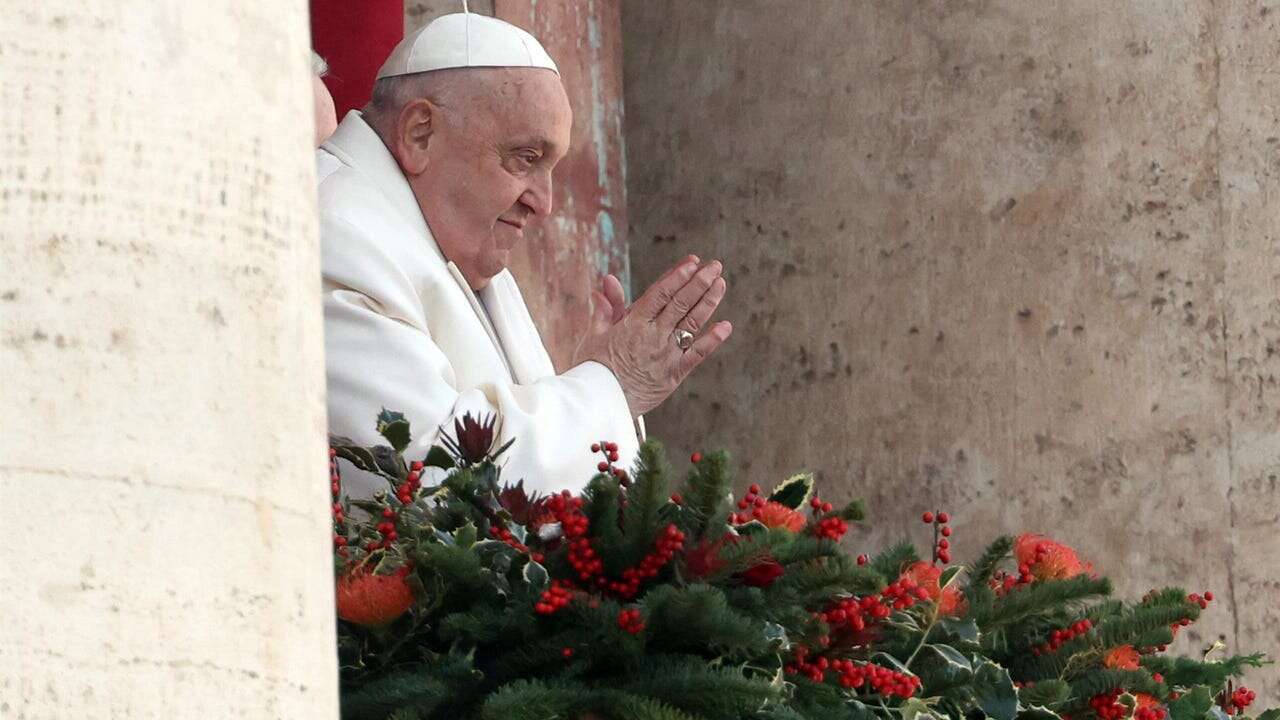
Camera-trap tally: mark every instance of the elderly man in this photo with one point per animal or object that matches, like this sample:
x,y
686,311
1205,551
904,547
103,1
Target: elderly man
x,y
422,197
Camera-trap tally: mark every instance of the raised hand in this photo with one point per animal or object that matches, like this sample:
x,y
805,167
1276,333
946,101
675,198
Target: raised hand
x,y
652,346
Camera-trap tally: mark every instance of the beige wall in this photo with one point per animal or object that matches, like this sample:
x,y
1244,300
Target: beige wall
x,y
1016,260
166,534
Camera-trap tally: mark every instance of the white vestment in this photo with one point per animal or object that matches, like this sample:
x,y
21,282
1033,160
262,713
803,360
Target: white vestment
x,y
404,331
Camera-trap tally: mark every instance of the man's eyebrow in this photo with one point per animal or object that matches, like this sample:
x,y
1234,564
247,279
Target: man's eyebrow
x,y
537,141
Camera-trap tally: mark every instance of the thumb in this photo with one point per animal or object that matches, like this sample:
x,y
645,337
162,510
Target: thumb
x,y
601,313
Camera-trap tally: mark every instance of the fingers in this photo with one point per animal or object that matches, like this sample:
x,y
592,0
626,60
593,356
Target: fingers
x,y
702,348
615,296
706,307
659,294
688,297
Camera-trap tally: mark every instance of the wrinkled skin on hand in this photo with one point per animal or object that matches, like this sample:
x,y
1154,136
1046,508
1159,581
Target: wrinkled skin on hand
x,y
637,342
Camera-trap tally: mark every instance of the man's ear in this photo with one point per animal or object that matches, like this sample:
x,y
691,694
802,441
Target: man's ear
x,y
414,127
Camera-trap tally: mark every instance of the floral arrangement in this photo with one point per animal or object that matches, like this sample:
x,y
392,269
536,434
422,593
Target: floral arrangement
x,y
464,597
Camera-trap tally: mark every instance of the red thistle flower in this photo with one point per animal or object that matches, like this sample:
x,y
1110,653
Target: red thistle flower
x,y
1048,560
950,600
472,439
704,558
372,600
525,509
777,515
763,574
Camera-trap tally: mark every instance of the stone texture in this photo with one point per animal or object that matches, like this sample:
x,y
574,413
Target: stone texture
x,y
1015,260
162,448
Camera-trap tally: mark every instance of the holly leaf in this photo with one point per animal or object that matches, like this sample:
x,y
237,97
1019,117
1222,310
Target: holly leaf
x,y
1044,694
438,457
348,450
942,666
960,632
1194,705
949,575
777,636
1038,712
395,428
916,709
536,576
794,491
994,692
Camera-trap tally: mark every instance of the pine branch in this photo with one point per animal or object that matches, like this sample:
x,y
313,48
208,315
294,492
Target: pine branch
x,y
706,496
645,498
890,562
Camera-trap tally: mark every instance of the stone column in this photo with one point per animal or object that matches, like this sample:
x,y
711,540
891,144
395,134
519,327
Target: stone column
x,y
1014,260
162,451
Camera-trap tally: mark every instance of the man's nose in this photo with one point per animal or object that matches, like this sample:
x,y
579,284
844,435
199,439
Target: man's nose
x,y
537,197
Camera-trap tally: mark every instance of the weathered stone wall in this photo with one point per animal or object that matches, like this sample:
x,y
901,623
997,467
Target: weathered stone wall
x,y
1011,259
162,451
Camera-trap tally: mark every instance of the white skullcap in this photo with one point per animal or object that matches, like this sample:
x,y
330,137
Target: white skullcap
x,y
466,40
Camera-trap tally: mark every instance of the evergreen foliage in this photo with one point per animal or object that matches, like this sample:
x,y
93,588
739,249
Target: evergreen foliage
x,y
711,608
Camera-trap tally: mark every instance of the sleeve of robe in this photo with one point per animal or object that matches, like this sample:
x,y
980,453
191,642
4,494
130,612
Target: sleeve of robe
x,y
379,353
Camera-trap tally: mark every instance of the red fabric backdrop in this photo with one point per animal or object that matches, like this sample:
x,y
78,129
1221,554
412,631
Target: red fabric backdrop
x,y
354,37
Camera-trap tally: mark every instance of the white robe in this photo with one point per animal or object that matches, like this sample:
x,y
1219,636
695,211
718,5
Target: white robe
x,y
404,331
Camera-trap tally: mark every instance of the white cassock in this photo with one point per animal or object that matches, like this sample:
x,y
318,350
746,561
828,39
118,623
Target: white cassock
x,y
404,331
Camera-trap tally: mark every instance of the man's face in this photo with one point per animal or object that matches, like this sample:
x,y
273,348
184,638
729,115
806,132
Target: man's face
x,y
488,170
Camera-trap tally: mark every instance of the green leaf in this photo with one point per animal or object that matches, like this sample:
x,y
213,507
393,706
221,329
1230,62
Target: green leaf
x,y
1038,712
855,511
916,709
1272,714
1046,693
1194,705
438,457
949,575
965,631
794,491
395,428
777,636
994,692
466,535
940,666
536,576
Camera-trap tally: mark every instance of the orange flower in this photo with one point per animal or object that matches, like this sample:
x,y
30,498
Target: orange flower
x,y
1145,701
777,515
950,600
1123,657
372,600
1048,560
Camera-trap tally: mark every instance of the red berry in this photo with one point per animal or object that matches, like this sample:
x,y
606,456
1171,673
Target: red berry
x,y
946,532
927,518
944,518
754,489
595,447
862,559
613,456
677,499
603,466
567,653
1208,595
695,458
611,446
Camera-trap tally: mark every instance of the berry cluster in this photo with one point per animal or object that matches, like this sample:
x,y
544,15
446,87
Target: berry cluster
x,y
610,452
630,621
504,535
335,488
1059,637
670,542
903,593
1241,699
574,524
941,533
406,489
851,675
1107,707
882,680
751,506
855,613
553,599
1003,583
831,527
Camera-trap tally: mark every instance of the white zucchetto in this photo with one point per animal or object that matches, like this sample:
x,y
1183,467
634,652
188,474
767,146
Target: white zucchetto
x,y
466,40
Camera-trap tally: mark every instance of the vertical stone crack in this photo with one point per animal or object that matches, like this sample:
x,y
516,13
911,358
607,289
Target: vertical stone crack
x,y
1228,380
